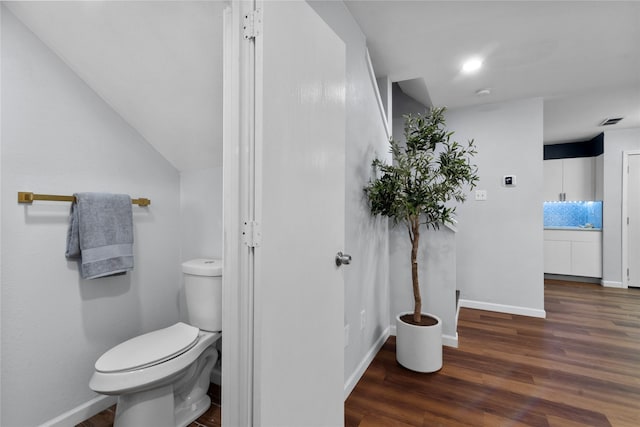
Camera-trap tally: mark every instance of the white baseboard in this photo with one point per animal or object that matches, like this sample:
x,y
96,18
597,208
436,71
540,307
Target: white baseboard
x,y
81,412
612,284
503,308
352,381
448,340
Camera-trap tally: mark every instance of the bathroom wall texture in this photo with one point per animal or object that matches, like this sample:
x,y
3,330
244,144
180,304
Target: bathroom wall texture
x,y
616,141
201,213
59,137
500,240
366,279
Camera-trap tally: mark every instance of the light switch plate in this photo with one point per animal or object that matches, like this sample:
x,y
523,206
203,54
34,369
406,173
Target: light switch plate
x,y
481,195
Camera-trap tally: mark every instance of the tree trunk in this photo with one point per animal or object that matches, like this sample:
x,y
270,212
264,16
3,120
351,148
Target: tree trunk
x,y
417,309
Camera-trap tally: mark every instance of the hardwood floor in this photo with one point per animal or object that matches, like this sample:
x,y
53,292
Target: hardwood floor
x,y
211,418
578,367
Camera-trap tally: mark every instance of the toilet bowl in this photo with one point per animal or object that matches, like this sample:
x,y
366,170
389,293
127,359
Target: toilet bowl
x,y
161,378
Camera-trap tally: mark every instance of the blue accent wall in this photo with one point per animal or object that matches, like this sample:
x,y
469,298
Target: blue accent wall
x,y
590,148
573,214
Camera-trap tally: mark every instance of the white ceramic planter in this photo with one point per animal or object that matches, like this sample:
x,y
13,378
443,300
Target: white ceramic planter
x,y
419,348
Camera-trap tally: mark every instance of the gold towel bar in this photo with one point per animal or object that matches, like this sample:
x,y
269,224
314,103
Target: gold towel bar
x,y
27,197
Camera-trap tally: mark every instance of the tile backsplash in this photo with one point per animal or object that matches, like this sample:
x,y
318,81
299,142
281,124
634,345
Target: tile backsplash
x,y
573,214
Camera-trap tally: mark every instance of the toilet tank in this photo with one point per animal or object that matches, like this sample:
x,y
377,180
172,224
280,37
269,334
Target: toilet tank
x,y
203,293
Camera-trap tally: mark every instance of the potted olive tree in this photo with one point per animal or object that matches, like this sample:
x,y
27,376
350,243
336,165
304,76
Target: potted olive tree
x,y
429,171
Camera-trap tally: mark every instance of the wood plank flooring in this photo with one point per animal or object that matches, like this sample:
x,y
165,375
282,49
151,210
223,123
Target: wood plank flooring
x,y
578,367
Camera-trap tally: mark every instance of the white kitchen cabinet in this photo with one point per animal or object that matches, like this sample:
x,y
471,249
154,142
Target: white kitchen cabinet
x,y
557,256
553,185
579,179
586,256
573,252
569,179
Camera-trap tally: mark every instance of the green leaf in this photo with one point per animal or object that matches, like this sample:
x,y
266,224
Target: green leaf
x,y
429,171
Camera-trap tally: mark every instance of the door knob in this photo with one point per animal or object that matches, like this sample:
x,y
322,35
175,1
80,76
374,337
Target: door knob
x,y
342,259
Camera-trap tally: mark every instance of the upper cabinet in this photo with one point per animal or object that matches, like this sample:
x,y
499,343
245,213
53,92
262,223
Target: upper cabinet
x,y
570,179
553,185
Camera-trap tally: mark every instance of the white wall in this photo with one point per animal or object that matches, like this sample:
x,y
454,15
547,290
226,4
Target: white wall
x,y
1,304
599,170
500,240
366,279
59,137
615,142
385,88
402,105
201,213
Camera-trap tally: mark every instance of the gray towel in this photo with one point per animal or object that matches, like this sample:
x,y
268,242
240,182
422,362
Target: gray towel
x,y
101,234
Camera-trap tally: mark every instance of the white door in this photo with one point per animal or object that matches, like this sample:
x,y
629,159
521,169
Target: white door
x,y
633,227
300,149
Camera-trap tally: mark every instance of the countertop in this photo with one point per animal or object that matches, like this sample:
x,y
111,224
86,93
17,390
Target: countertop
x,y
573,228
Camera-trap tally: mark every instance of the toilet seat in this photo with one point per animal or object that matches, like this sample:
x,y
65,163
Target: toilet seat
x,y
118,383
149,349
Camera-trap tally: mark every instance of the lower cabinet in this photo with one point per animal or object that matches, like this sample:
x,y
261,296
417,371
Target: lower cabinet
x,y
573,252
557,256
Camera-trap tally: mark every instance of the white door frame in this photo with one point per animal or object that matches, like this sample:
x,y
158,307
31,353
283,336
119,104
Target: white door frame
x,y
238,203
625,213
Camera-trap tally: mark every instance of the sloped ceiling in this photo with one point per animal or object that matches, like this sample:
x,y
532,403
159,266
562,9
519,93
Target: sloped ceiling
x,y
581,57
158,64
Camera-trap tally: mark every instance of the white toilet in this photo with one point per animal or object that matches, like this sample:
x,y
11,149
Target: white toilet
x,y
161,378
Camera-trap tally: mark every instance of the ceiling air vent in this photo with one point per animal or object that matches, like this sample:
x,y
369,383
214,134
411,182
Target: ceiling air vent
x,y
608,122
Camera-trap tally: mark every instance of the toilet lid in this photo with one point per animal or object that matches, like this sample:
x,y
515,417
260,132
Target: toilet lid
x,y
149,349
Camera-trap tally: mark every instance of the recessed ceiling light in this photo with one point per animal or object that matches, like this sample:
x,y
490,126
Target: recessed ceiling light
x,y
472,65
